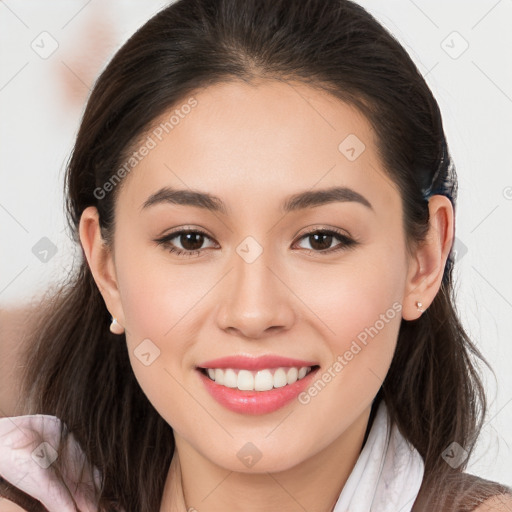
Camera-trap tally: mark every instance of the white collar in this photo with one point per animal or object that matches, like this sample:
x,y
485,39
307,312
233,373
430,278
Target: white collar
x,y
387,475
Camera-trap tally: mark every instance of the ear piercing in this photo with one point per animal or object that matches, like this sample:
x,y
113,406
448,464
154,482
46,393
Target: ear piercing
x,y
419,306
115,327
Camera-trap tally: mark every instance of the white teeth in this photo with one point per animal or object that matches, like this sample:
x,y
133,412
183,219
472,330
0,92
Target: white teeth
x,y
292,375
280,378
230,378
245,380
262,380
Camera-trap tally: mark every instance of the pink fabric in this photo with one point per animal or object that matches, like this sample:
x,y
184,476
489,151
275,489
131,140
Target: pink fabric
x,y
28,451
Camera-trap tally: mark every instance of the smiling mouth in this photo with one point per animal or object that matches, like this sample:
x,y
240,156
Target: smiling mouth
x,y
260,380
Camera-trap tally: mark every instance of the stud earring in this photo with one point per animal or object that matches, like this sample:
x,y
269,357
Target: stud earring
x,y
419,306
115,327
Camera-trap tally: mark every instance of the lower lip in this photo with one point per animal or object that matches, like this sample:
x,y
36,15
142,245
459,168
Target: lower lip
x,y
256,402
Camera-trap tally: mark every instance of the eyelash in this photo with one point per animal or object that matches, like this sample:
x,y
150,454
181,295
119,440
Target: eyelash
x,y
347,242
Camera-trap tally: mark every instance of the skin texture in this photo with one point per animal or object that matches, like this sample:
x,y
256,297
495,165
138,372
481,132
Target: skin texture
x,y
496,504
9,506
254,146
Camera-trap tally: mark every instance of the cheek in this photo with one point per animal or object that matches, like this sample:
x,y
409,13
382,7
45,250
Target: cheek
x,y
370,306
153,292
164,303
158,303
350,298
359,318
358,313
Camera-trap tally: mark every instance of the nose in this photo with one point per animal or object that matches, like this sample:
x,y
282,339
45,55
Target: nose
x,y
256,300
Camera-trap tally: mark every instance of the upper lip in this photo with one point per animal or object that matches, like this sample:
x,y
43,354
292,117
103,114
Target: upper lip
x,y
255,363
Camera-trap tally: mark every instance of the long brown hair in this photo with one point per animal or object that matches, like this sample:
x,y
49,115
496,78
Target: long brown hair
x,y
81,373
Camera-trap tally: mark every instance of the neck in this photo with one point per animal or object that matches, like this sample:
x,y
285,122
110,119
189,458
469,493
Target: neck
x,y
196,483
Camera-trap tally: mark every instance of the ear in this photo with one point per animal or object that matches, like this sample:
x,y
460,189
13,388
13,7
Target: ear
x,y
101,262
427,264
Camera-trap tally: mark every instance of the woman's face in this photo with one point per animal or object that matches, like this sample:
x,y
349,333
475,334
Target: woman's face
x,y
256,281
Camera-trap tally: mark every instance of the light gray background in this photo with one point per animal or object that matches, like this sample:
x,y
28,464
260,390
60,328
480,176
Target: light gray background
x,y
473,87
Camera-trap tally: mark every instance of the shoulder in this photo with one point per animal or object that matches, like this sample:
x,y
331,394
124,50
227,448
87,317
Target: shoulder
x,y
462,492
501,503
9,506
13,499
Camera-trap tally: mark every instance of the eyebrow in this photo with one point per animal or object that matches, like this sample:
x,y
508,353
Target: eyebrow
x,y
299,201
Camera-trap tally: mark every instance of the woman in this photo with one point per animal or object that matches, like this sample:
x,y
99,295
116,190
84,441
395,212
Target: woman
x,y
244,369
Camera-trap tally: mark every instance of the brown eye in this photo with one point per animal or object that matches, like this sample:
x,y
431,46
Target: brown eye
x,y
321,241
191,241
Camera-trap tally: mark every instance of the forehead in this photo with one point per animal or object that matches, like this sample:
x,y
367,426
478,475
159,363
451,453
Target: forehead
x,y
266,139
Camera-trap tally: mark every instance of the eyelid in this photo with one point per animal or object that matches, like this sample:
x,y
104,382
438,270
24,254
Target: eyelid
x,y
181,229
319,228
